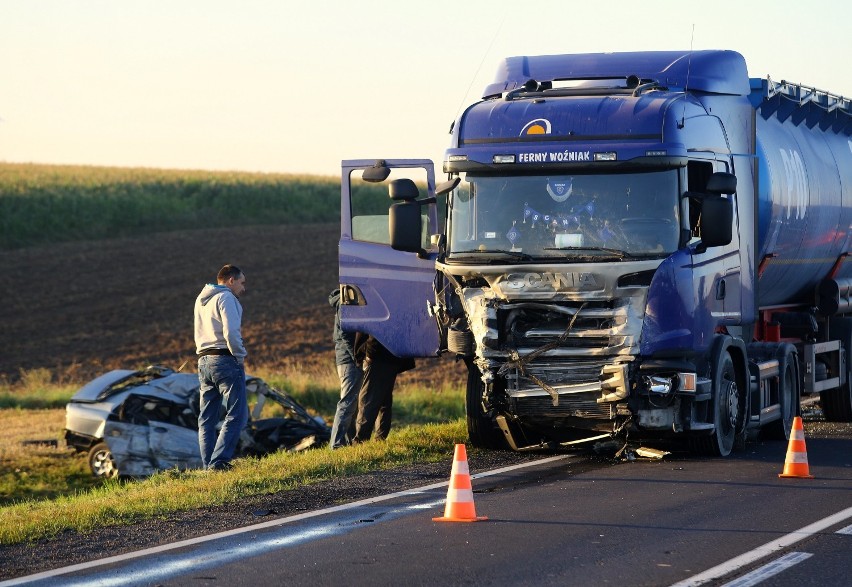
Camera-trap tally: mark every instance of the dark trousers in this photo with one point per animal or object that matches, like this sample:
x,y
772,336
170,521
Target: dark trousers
x,y
375,400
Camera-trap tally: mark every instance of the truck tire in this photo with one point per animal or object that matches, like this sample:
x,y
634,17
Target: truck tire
x,y
789,392
837,403
727,408
480,427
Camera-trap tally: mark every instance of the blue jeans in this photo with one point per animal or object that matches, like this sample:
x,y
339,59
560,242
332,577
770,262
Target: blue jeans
x,y
223,383
343,428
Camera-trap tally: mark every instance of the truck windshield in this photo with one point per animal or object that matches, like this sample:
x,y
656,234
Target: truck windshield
x,y
564,216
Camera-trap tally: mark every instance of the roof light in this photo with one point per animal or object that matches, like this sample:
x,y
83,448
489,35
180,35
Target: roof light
x,y
607,156
503,159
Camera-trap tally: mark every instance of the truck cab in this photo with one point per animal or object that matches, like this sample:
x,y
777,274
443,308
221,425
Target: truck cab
x,y
594,258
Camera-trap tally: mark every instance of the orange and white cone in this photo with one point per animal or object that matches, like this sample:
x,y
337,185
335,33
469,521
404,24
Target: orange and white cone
x,y
796,463
460,506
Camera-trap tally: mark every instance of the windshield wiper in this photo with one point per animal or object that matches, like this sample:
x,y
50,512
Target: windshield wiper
x,y
614,252
492,255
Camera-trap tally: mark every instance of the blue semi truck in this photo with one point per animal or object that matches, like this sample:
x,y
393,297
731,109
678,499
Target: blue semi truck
x,y
628,245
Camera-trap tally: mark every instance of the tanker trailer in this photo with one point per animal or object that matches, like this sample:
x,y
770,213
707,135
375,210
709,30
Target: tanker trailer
x,y
804,157
634,245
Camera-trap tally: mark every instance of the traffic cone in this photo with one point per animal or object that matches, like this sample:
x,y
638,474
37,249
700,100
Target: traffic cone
x,y
460,506
796,463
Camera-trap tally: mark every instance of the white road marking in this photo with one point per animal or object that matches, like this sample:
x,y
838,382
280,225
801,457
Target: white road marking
x,y
846,530
766,550
769,570
264,525
172,565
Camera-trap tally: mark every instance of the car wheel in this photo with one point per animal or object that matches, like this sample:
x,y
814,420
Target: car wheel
x,y
101,461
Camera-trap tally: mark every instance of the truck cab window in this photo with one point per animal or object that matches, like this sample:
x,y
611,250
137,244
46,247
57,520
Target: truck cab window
x,y
546,215
369,204
698,174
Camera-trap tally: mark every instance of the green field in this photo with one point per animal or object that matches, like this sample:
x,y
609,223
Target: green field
x,y
43,204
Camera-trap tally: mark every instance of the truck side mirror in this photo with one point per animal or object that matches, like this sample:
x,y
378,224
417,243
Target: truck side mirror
x,y
447,186
722,183
404,227
377,173
404,217
403,190
717,221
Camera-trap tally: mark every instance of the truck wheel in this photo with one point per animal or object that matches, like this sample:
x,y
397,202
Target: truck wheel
x,y
480,428
837,403
101,461
726,410
788,393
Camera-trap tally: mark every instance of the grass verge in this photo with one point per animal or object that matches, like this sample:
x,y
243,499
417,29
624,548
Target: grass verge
x,y
120,502
35,390
34,462
46,488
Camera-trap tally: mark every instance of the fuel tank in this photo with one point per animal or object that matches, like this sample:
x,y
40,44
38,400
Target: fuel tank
x,y
804,155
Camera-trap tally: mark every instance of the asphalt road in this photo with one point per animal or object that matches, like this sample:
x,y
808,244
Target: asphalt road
x,y
567,520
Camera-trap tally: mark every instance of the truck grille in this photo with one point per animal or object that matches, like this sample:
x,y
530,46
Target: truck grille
x,y
576,382
581,405
561,347
565,372
566,328
556,346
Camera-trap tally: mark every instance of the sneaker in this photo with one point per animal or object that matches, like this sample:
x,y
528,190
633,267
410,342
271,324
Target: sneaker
x,y
221,466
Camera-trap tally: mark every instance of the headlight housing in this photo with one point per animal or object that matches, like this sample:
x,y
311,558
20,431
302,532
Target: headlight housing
x,y
665,384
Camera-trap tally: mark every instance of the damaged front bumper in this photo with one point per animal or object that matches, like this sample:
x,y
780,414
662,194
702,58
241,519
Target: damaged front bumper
x,y
559,355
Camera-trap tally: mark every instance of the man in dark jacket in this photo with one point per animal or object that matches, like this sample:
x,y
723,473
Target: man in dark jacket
x,y
375,400
343,429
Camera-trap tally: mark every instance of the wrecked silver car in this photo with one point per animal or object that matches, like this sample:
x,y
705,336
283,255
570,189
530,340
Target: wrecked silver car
x,y
134,423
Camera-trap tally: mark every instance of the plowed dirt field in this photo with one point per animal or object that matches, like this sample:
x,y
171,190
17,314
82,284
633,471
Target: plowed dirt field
x,y
82,308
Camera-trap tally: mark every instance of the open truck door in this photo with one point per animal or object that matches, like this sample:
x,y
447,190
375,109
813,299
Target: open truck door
x,y
386,292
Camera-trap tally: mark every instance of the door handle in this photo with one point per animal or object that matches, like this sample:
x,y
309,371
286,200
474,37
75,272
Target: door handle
x,y
350,295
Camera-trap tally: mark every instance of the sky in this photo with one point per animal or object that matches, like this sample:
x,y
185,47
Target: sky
x,y
295,87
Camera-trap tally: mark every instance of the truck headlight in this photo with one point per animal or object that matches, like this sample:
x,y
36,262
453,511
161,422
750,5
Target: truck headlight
x,y
659,384
664,384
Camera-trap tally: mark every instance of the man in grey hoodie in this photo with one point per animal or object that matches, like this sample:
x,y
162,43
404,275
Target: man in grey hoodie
x,y
221,356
